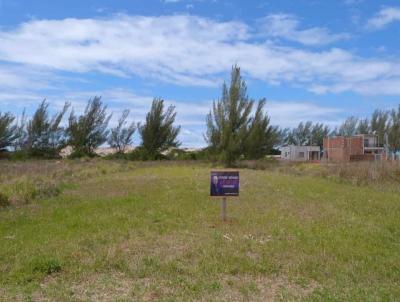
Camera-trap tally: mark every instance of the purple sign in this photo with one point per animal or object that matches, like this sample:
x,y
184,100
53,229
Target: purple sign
x,y
224,183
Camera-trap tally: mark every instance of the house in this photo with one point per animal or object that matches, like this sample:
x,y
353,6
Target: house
x,y
300,153
353,148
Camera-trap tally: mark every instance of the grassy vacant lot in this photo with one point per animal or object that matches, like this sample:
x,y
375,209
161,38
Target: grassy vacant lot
x,y
107,231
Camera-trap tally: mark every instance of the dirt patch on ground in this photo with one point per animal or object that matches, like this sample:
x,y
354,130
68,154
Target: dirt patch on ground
x,y
118,286
102,287
263,288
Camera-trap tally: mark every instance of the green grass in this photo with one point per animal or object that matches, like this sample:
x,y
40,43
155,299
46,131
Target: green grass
x,y
121,231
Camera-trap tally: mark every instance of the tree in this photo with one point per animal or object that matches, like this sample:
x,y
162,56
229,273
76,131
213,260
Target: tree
x,y
89,130
45,137
158,133
307,134
379,123
301,135
20,130
348,127
261,137
122,136
8,133
363,126
394,130
229,121
318,132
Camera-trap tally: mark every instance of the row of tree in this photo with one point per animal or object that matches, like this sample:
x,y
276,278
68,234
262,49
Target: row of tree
x,y
44,136
238,127
383,123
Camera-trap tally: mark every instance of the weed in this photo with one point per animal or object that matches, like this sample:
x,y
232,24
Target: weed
x,y
46,266
4,200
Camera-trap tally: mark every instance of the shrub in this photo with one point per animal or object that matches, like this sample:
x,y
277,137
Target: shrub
x,y
80,154
142,154
19,155
25,192
264,164
47,190
117,155
4,200
179,154
46,266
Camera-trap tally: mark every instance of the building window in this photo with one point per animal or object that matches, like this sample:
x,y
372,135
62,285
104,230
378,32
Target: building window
x,y
301,154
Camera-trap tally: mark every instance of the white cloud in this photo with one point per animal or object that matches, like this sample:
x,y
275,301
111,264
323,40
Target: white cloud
x,y
14,76
287,27
291,113
376,88
384,17
185,50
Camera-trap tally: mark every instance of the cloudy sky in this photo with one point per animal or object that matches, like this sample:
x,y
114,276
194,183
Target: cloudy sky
x,y
313,60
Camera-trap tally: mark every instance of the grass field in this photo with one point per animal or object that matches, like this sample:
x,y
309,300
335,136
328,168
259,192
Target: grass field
x,y
123,231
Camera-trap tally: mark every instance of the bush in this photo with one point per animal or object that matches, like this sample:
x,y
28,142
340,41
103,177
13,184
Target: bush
x,y
262,164
141,154
5,155
179,154
47,190
81,154
19,155
117,156
25,192
4,200
46,266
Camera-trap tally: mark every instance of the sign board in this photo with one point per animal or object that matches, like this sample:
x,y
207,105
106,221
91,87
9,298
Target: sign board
x,y
224,183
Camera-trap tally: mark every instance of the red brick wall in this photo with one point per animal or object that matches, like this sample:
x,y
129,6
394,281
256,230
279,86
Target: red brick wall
x,y
340,148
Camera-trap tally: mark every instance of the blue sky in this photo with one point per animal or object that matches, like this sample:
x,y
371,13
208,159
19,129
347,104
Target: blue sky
x,y
312,60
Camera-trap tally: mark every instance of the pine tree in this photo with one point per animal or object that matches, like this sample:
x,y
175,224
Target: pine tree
x,y
363,126
45,136
261,136
89,131
231,130
380,123
122,135
394,130
158,133
349,127
318,132
8,130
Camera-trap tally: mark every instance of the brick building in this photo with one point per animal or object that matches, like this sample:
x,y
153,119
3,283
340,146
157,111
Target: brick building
x,y
353,148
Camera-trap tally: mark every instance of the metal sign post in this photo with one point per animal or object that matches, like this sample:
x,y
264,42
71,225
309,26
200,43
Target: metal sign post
x,y
223,209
